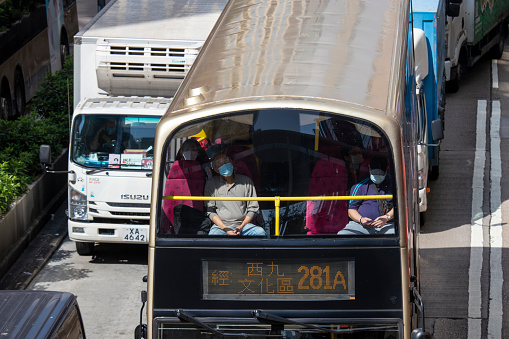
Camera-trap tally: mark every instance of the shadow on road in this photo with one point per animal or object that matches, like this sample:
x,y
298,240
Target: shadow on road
x,y
120,253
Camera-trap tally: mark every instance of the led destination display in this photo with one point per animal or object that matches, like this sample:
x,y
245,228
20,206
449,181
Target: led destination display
x,y
278,279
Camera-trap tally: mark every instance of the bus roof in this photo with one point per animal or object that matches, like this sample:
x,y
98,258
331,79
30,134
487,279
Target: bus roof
x,y
155,19
340,50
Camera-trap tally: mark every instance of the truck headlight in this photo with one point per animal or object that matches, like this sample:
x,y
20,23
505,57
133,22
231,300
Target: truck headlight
x,y
78,205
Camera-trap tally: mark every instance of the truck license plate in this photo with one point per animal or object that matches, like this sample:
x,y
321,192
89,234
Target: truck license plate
x,y
134,234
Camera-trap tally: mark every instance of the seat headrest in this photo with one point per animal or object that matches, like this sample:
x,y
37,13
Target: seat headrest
x,y
331,167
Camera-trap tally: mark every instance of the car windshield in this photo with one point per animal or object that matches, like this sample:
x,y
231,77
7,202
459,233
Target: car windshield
x,y
292,156
114,141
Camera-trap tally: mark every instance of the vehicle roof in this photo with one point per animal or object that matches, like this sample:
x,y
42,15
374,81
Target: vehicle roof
x,y
340,50
32,314
125,105
425,5
155,19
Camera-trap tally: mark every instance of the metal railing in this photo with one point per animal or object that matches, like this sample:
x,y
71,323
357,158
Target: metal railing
x,y
277,200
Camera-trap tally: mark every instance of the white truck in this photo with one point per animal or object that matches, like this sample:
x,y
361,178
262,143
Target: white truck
x,y
473,28
128,62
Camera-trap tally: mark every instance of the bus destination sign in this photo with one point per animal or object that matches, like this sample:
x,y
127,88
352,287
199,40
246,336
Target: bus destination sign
x,y
278,280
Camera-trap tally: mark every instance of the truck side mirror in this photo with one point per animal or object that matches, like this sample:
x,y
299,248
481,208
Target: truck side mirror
x,y
437,129
45,154
452,8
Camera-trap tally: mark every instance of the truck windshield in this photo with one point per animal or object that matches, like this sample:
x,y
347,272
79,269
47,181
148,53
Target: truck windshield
x,y
309,164
113,141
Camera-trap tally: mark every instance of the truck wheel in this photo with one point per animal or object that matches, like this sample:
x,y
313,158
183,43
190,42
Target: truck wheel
x,y
84,248
422,218
498,49
434,173
453,85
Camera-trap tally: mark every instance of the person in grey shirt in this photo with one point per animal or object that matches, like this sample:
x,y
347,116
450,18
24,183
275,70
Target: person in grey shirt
x,y
231,217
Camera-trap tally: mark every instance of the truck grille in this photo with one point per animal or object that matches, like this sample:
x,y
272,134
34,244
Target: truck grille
x,y
128,205
121,221
131,214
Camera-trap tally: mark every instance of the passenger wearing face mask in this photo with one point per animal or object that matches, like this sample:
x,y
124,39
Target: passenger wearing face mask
x,y
191,150
371,216
231,217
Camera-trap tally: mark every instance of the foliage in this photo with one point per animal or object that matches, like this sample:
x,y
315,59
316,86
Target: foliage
x,y
47,123
12,11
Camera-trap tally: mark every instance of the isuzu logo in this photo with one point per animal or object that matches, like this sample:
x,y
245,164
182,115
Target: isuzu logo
x,y
134,197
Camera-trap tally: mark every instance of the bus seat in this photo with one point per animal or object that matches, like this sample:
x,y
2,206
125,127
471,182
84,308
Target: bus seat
x,y
186,178
329,178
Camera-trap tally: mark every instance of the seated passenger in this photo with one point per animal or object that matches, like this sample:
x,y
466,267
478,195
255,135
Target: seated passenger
x,y
231,217
355,162
186,177
371,216
244,162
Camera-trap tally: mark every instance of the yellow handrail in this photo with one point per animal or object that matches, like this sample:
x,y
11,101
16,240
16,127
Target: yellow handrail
x,y
277,200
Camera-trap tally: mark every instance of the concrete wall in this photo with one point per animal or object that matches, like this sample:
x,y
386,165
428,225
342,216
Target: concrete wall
x,y
30,213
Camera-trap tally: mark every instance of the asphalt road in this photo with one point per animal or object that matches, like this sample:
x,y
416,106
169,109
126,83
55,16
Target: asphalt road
x,y
463,242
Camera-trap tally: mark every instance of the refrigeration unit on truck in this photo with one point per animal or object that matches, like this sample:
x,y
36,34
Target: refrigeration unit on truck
x,y
429,45
128,62
477,27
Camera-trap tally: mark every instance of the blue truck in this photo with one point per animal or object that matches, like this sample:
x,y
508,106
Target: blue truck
x,y
428,19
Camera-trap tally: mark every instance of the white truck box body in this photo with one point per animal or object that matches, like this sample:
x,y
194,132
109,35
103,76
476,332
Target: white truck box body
x,y
140,48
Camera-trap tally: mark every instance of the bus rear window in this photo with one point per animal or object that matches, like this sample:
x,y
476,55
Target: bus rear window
x,y
295,172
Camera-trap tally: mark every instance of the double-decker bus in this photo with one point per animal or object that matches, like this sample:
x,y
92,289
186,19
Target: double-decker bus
x,y
35,37
301,95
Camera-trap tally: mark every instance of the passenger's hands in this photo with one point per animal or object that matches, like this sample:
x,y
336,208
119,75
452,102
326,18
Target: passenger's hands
x,y
238,229
366,222
380,221
230,231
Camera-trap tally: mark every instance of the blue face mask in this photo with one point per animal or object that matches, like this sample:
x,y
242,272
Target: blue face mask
x,y
226,170
110,130
377,176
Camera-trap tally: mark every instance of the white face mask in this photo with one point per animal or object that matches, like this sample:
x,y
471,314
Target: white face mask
x,y
377,175
190,155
